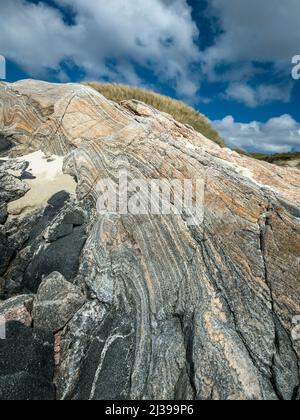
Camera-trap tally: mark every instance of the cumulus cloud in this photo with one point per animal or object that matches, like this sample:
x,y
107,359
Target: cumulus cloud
x,y
107,39
117,40
277,135
260,95
254,31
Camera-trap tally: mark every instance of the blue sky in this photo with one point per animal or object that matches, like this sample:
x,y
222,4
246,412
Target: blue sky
x,y
231,59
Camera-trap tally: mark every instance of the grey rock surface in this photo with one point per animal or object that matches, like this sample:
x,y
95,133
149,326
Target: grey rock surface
x,y
56,302
5,145
27,256
75,342
61,255
22,386
11,186
3,213
173,311
64,223
26,364
17,309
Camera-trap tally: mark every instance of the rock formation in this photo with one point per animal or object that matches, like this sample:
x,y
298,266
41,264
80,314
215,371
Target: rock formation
x,y
123,306
293,163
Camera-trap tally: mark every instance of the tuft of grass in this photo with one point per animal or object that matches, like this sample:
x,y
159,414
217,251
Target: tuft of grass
x,y
275,158
179,110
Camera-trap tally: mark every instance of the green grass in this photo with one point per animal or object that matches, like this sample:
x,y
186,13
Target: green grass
x,y
271,158
179,110
277,157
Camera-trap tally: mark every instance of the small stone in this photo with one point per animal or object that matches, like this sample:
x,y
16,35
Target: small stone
x,y
59,199
56,303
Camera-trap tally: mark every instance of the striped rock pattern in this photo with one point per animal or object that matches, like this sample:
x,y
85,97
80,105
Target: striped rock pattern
x,y
173,311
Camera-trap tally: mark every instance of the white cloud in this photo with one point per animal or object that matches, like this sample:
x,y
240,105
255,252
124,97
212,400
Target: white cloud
x,y
277,135
254,31
260,95
241,93
108,39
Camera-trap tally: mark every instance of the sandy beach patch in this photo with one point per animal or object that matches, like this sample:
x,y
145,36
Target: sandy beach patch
x,y
47,179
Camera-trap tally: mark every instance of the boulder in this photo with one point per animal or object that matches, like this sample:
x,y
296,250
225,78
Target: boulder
x,y
17,309
65,222
56,303
61,255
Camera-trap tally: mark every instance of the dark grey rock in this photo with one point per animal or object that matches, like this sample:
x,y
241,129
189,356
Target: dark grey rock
x,y
6,253
23,236
2,288
3,213
11,188
62,256
57,231
113,343
55,205
64,223
26,363
76,340
5,145
24,387
59,199
56,303
27,175
285,365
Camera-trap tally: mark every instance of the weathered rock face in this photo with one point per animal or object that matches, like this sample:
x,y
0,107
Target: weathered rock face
x,y
172,311
293,163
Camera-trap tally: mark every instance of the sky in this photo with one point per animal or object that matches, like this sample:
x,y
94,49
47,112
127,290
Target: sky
x,y
230,59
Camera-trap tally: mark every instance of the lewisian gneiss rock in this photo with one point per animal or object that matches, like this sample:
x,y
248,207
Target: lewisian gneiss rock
x,y
17,309
26,364
174,311
57,301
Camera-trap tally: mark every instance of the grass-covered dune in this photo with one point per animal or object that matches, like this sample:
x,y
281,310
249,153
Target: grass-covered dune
x,y
277,158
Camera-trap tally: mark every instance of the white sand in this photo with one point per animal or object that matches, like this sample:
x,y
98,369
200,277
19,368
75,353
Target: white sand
x,y
49,179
